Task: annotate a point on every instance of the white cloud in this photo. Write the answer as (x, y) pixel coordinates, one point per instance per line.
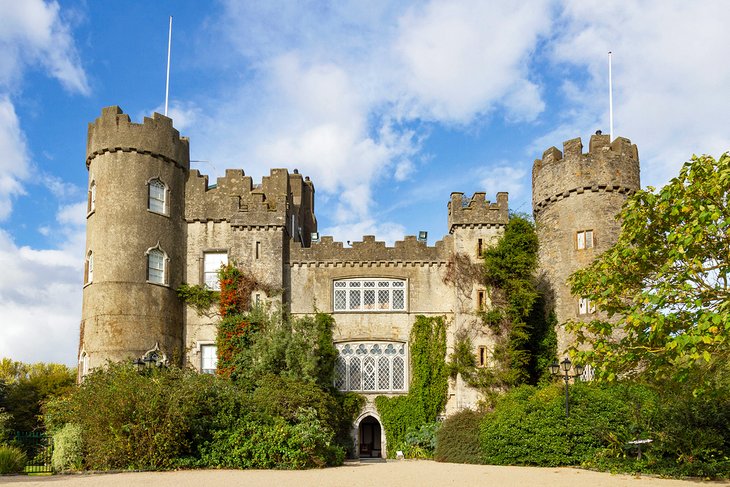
(33, 32)
(14, 160)
(514, 180)
(336, 90)
(463, 58)
(40, 293)
(670, 80)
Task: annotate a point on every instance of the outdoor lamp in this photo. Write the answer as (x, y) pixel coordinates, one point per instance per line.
(565, 365)
(139, 363)
(578, 369)
(555, 367)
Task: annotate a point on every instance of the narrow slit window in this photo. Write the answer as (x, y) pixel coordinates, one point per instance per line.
(482, 356)
(257, 250)
(480, 248)
(91, 203)
(481, 298)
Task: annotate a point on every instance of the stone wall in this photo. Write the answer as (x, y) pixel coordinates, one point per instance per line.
(574, 192)
(123, 315)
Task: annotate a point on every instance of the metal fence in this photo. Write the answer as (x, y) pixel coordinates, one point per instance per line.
(38, 447)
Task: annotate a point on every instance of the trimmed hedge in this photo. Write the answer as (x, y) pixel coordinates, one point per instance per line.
(457, 441)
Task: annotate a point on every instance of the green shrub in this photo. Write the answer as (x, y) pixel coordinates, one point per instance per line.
(67, 448)
(421, 442)
(263, 441)
(131, 420)
(457, 441)
(285, 397)
(12, 460)
(529, 427)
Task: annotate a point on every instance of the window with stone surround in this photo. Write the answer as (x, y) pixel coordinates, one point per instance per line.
(586, 307)
(157, 262)
(91, 198)
(369, 295)
(212, 262)
(208, 358)
(372, 366)
(482, 356)
(157, 196)
(89, 268)
(584, 239)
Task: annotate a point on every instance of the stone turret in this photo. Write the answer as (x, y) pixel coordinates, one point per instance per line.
(575, 199)
(135, 239)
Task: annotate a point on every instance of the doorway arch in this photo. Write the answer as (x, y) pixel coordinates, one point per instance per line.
(370, 437)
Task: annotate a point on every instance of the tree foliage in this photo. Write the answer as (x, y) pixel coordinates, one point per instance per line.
(524, 334)
(664, 285)
(24, 388)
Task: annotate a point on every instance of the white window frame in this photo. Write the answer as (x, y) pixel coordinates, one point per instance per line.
(355, 353)
(161, 268)
(206, 360)
(584, 239)
(84, 364)
(211, 266)
(351, 295)
(91, 204)
(586, 307)
(154, 201)
(89, 274)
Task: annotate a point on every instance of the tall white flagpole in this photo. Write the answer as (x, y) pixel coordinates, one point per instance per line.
(610, 97)
(167, 84)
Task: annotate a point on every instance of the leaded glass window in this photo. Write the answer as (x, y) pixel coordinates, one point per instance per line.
(156, 266)
(371, 367)
(370, 295)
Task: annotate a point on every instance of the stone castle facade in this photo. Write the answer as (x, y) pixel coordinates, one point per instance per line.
(153, 224)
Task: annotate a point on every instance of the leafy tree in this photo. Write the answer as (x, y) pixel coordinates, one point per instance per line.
(27, 386)
(664, 285)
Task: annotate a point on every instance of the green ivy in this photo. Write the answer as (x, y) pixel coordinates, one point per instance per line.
(429, 385)
(200, 298)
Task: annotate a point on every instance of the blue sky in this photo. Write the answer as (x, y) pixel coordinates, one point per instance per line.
(387, 106)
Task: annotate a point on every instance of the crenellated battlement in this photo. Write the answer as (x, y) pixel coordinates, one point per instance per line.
(371, 252)
(114, 132)
(607, 166)
(477, 210)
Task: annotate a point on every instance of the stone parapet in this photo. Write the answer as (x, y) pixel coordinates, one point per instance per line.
(477, 210)
(407, 251)
(606, 167)
(156, 137)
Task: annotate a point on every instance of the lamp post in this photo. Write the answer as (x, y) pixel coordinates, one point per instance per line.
(565, 366)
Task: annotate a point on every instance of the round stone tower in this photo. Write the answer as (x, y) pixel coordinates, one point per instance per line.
(135, 239)
(575, 199)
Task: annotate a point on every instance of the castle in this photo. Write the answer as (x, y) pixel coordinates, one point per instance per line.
(153, 224)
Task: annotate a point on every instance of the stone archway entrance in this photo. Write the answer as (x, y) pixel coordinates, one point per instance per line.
(369, 436)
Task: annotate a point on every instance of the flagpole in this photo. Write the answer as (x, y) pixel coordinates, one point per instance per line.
(167, 83)
(610, 97)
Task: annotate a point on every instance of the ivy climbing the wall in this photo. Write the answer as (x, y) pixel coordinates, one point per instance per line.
(523, 331)
(429, 385)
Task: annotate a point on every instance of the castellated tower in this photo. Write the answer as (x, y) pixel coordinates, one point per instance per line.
(575, 199)
(135, 239)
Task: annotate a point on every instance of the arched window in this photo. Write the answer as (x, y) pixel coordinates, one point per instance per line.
(157, 196)
(371, 367)
(84, 364)
(89, 268)
(369, 295)
(91, 203)
(156, 266)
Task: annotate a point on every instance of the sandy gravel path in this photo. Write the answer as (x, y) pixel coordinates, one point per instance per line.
(396, 473)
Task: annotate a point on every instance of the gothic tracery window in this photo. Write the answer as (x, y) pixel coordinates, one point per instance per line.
(371, 366)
